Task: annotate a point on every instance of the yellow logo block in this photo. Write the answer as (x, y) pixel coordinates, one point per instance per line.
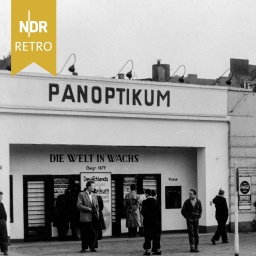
(33, 34)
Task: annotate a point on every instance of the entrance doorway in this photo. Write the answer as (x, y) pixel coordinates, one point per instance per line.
(40, 194)
(121, 187)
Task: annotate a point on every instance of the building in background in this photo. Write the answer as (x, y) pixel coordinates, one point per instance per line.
(240, 74)
(5, 63)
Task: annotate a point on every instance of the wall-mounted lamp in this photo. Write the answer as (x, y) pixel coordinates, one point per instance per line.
(72, 67)
(228, 82)
(181, 79)
(129, 74)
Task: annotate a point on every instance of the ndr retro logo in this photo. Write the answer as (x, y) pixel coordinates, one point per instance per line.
(29, 27)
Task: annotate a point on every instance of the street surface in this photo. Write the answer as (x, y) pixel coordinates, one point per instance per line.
(172, 244)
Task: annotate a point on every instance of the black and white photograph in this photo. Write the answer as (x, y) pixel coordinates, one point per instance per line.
(127, 127)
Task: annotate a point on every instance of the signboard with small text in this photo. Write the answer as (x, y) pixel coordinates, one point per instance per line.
(244, 193)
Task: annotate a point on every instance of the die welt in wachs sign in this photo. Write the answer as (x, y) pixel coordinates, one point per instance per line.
(33, 34)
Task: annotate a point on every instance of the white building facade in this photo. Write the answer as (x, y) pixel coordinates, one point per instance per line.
(167, 137)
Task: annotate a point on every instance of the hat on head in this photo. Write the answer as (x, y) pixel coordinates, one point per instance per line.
(221, 192)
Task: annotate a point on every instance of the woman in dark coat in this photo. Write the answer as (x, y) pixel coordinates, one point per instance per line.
(62, 215)
(101, 223)
(3, 228)
(151, 212)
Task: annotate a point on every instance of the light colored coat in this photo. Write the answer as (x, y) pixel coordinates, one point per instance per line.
(131, 204)
(84, 203)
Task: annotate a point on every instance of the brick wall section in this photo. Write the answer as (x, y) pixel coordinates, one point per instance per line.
(242, 150)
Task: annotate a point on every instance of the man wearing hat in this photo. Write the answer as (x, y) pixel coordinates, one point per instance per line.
(3, 228)
(221, 217)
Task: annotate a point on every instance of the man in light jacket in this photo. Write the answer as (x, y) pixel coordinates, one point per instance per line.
(87, 203)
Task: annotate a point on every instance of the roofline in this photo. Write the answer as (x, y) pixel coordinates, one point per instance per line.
(30, 75)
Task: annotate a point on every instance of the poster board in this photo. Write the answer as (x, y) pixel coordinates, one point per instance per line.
(244, 193)
(103, 185)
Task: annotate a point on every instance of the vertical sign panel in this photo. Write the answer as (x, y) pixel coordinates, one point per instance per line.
(103, 185)
(244, 193)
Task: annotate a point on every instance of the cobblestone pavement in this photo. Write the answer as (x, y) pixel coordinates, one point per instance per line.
(172, 244)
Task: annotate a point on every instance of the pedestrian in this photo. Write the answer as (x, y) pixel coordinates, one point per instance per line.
(221, 216)
(62, 215)
(87, 203)
(101, 223)
(74, 212)
(192, 211)
(3, 228)
(142, 198)
(151, 212)
(131, 207)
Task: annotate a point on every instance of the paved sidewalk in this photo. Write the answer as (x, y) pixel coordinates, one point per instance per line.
(172, 244)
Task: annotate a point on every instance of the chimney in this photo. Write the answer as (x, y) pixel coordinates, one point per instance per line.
(160, 72)
(121, 76)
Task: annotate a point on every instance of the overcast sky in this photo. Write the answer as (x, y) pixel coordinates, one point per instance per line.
(201, 34)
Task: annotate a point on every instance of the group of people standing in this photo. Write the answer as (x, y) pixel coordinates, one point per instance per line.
(140, 212)
(82, 213)
(144, 212)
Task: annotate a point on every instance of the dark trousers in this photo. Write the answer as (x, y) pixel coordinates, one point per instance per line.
(155, 238)
(221, 231)
(132, 232)
(62, 232)
(193, 228)
(88, 235)
(3, 236)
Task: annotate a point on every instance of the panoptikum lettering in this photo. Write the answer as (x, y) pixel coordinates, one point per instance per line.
(104, 95)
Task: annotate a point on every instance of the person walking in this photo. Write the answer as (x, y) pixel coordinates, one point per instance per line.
(87, 203)
(192, 211)
(221, 216)
(151, 212)
(131, 207)
(3, 228)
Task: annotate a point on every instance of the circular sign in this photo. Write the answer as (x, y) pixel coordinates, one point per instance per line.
(244, 187)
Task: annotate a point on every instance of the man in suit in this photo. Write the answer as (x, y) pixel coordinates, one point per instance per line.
(151, 212)
(87, 203)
